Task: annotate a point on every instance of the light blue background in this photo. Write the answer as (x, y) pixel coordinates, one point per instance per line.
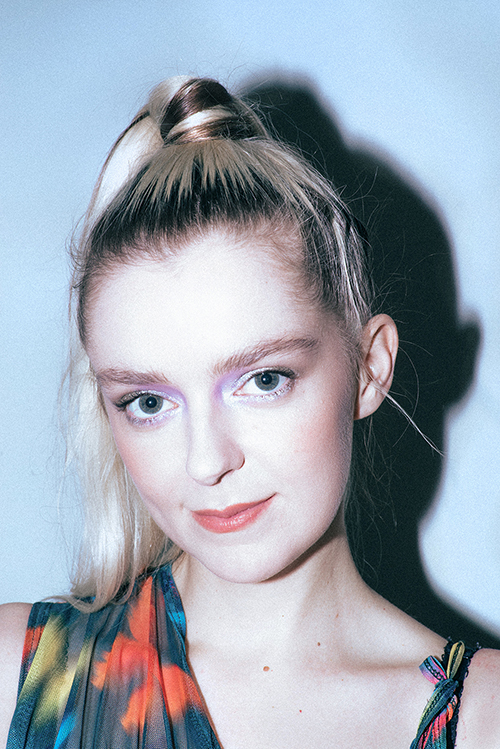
(417, 83)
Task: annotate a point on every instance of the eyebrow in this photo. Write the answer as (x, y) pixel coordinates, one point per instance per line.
(239, 360)
(252, 354)
(117, 376)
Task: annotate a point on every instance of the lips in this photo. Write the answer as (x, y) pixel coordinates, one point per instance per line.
(233, 518)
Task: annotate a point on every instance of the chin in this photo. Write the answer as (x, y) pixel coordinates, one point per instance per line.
(265, 558)
(252, 568)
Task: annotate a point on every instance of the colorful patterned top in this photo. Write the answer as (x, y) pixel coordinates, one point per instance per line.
(119, 678)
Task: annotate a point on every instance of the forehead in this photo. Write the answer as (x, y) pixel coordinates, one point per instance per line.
(217, 295)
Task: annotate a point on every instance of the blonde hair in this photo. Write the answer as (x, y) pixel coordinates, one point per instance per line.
(194, 159)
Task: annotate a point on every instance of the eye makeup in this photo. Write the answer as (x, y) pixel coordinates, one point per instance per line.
(266, 384)
(146, 407)
(150, 406)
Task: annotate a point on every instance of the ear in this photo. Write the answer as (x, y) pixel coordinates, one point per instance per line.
(379, 346)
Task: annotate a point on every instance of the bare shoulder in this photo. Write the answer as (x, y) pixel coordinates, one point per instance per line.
(479, 718)
(13, 621)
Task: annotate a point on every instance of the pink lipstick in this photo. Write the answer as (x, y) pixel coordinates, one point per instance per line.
(233, 518)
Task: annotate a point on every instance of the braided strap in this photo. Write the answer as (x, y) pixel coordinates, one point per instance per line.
(432, 733)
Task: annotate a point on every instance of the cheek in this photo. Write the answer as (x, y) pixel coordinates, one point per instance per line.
(325, 436)
(145, 462)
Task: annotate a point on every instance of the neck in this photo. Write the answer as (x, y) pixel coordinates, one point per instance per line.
(314, 600)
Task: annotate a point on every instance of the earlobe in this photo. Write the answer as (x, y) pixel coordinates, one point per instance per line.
(379, 348)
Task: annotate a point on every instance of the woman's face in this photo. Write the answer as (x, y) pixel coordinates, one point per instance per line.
(231, 403)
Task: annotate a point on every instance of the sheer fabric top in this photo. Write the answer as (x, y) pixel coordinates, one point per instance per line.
(120, 677)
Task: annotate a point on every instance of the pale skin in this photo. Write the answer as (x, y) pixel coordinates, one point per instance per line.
(253, 401)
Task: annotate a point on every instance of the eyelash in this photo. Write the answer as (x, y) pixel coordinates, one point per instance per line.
(271, 395)
(130, 398)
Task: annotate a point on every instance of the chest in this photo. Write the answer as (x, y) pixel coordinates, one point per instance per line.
(284, 706)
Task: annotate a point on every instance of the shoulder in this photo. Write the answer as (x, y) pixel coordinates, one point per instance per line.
(479, 717)
(13, 622)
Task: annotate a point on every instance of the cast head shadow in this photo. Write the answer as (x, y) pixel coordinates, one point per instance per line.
(413, 270)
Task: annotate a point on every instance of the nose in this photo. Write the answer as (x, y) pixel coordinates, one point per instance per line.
(213, 452)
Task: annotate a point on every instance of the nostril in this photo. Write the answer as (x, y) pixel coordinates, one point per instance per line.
(211, 457)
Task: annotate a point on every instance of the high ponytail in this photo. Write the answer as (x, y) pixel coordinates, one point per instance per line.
(179, 110)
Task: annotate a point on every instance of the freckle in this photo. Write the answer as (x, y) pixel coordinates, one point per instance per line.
(266, 668)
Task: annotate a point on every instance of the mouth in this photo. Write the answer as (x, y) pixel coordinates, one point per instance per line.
(233, 518)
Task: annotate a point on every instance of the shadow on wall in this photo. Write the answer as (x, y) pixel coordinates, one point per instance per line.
(414, 273)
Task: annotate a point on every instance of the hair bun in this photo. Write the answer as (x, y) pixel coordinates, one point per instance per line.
(201, 109)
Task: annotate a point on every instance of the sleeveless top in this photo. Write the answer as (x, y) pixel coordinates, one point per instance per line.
(119, 677)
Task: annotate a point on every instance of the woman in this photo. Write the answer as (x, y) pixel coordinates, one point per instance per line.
(226, 346)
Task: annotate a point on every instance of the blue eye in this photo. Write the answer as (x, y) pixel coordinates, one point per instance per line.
(148, 406)
(269, 383)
